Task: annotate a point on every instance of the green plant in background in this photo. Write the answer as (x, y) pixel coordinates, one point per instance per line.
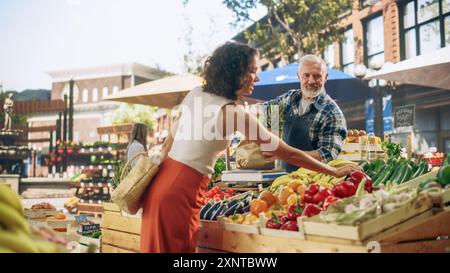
(118, 167)
(393, 150)
(131, 113)
(219, 167)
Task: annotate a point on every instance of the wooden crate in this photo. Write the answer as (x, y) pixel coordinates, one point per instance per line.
(92, 209)
(39, 214)
(214, 238)
(253, 229)
(414, 183)
(120, 233)
(316, 226)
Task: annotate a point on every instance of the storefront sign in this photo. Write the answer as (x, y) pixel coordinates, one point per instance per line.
(388, 118)
(369, 117)
(404, 116)
(88, 230)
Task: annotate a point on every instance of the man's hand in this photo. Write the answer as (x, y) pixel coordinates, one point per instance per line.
(346, 170)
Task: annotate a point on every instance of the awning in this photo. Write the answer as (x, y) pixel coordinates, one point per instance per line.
(339, 85)
(431, 69)
(167, 92)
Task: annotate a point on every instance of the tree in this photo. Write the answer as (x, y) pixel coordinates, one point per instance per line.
(292, 26)
(130, 113)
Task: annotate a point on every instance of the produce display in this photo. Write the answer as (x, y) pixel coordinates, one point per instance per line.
(441, 181)
(43, 206)
(362, 207)
(216, 194)
(305, 176)
(236, 205)
(393, 171)
(16, 236)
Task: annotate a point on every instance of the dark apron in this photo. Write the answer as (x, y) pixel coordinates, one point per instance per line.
(296, 133)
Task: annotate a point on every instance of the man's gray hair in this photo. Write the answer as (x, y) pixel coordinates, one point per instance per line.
(312, 59)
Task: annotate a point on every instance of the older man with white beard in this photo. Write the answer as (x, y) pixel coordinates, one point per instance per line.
(312, 121)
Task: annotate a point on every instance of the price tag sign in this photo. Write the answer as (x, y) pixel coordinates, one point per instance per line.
(81, 219)
(88, 230)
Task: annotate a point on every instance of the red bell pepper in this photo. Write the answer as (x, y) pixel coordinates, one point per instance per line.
(358, 176)
(290, 225)
(311, 210)
(274, 222)
(321, 196)
(217, 198)
(308, 198)
(284, 219)
(330, 200)
(344, 189)
(313, 189)
(230, 191)
(213, 191)
(295, 210)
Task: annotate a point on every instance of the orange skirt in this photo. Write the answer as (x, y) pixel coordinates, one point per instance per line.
(171, 209)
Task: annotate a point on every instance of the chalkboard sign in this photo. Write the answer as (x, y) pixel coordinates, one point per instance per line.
(404, 116)
(88, 230)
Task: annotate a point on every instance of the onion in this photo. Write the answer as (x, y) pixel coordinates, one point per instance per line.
(350, 208)
(365, 203)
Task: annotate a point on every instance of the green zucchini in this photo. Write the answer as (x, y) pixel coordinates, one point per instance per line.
(385, 177)
(408, 174)
(383, 167)
(402, 168)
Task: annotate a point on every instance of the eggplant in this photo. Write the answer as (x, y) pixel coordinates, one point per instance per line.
(218, 212)
(246, 209)
(240, 208)
(204, 209)
(231, 210)
(211, 210)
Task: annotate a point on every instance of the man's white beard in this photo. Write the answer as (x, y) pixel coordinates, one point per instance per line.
(312, 93)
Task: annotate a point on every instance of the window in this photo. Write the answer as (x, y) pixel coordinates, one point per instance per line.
(374, 40)
(430, 37)
(366, 3)
(105, 92)
(85, 95)
(95, 94)
(348, 52)
(425, 26)
(115, 89)
(328, 55)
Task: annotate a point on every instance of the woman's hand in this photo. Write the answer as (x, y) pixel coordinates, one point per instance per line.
(270, 156)
(346, 170)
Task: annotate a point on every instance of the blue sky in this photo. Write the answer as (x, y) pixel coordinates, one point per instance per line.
(42, 35)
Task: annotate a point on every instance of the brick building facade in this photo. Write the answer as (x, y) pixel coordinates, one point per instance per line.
(392, 31)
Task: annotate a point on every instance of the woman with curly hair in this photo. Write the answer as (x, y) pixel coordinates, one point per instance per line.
(171, 206)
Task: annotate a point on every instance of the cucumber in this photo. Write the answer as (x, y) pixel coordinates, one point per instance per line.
(386, 174)
(408, 173)
(364, 165)
(400, 173)
(418, 170)
(380, 172)
(378, 164)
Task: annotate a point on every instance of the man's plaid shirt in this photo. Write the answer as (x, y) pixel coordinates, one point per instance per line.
(328, 129)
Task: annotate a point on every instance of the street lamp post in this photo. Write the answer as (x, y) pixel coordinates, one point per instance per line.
(377, 94)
